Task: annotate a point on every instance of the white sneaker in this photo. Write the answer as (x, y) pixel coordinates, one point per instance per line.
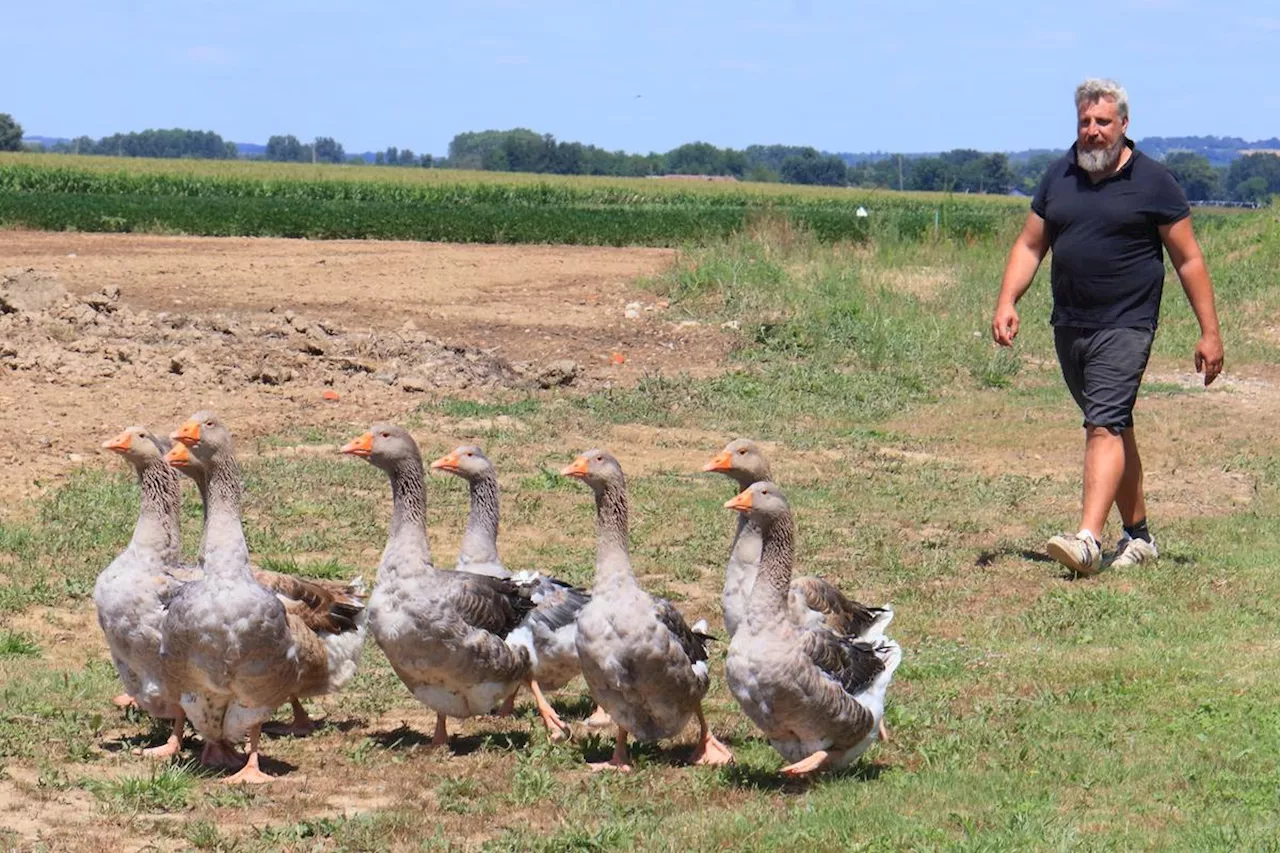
(1077, 552)
(1134, 552)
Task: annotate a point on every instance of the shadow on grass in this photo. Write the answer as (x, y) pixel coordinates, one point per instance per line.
(404, 738)
(756, 778)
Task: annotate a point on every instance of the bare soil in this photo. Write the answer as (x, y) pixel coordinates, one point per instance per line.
(100, 331)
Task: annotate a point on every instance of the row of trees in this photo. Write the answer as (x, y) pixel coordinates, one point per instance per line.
(325, 149)
(1250, 178)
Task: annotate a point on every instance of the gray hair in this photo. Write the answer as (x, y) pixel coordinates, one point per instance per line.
(1097, 88)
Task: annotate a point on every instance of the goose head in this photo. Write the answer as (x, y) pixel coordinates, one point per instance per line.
(743, 460)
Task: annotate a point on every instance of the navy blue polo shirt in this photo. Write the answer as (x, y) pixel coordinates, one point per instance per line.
(1108, 259)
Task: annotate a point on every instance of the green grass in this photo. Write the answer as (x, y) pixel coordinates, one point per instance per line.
(17, 644)
(163, 789)
(1136, 710)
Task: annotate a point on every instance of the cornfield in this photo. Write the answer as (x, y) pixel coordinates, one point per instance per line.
(206, 197)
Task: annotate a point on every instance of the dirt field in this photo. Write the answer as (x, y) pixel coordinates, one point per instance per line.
(118, 329)
(100, 331)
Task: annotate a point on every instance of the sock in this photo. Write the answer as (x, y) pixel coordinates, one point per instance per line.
(1139, 531)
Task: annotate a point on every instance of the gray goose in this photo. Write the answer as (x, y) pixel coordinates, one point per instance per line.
(642, 662)
(817, 696)
(447, 634)
(550, 630)
(229, 644)
(131, 594)
(334, 611)
(811, 601)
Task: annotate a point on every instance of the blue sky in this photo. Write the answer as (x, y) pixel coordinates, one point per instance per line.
(851, 76)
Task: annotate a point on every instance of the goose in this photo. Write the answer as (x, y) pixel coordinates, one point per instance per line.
(812, 601)
(333, 610)
(817, 696)
(131, 594)
(550, 630)
(448, 634)
(642, 662)
(229, 644)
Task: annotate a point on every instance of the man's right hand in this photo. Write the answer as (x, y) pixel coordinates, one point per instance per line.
(1004, 326)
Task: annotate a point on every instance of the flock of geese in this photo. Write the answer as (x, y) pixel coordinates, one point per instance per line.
(222, 644)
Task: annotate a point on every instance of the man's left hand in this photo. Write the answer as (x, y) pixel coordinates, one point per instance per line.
(1209, 357)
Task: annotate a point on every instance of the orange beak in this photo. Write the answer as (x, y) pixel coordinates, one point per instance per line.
(721, 462)
(188, 433)
(448, 462)
(362, 446)
(577, 469)
(741, 501)
(120, 443)
(178, 456)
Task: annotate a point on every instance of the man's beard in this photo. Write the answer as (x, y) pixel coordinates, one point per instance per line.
(1099, 160)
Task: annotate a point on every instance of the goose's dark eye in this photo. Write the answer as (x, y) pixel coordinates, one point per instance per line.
(742, 451)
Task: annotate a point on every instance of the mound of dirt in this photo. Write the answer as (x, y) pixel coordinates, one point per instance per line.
(76, 340)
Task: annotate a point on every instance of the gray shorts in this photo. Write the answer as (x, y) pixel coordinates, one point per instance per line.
(1103, 369)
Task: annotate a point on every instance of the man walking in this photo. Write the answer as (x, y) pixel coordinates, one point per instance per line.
(1107, 210)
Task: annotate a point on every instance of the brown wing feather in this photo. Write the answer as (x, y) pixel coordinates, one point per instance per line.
(841, 614)
(327, 606)
(313, 657)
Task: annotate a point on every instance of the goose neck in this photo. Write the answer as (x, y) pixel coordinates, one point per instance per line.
(768, 602)
(408, 530)
(225, 551)
(480, 538)
(613, 558)
(157, 529)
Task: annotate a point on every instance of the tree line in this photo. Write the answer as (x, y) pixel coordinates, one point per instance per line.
(1250, 178)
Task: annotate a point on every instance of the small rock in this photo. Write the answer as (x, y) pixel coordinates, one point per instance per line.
(45, 443)
(178, 363)
(386, 377)
(75, 458)
(731, 324)
(329, 327)
(413, 383)
(269, 375)
(559, 372)
(631, 313)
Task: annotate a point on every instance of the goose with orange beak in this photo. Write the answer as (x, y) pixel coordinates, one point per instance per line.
(817, 696)
(227, 641)
(131, 594)
(550, 630)
(448, 634)
(643, 663)
(812, 601)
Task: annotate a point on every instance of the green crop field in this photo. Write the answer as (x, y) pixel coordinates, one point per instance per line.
(52, 192)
